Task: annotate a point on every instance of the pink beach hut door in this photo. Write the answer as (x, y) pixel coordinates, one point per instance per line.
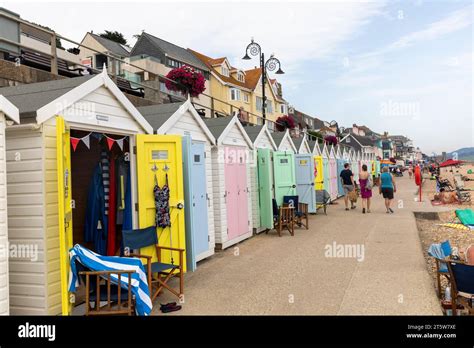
(235, 171)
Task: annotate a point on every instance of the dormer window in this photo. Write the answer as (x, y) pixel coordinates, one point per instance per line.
(225, 71)
(240, 77)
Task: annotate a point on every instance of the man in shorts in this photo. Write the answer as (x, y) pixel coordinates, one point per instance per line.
(347, 179)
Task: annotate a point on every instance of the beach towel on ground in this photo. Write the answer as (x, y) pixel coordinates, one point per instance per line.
(466, 216)
(453, 225)
(96, 262)
(436, 251)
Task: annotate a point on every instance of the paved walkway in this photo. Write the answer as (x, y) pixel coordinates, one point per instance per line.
(292, 275)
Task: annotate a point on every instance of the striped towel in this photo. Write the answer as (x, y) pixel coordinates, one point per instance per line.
(104, 161)
(96, 262)
(454, 225)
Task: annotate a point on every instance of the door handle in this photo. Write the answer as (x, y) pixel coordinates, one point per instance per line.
(294, 186)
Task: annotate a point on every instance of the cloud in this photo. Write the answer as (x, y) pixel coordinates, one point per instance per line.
(453, 22)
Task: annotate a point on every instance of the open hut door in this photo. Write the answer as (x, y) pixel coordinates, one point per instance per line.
(63, 162)
(265, 187)
(160, 163)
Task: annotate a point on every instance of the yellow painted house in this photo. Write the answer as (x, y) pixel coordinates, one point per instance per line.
(238, 92)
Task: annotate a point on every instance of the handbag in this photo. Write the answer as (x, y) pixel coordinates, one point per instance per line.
(369, 184)
(353, 196)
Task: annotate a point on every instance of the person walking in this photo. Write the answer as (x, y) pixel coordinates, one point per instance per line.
(387, 188)
(366, 184)
(410, 171)
(347, 179)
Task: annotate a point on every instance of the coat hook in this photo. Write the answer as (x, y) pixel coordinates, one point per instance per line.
(166, 168)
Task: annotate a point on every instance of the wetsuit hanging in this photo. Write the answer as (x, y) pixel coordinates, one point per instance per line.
(162, 204)
(104, 160)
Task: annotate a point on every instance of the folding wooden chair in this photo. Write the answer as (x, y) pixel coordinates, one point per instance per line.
(100, 288)
(301, 210)
(141, 238)
(286, 219)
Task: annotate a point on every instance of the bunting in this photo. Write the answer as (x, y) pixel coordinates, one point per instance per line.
(87, 142)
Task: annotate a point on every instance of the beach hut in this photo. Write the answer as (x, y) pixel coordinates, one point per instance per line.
(79, 138)
(304, 171)
(333, 173)
(355, 164)
(231, 177)
(8, 113)
(372, 166)
(182, 119)
(326, 172)
(318, 168)
(340, 167)
(377, 166)
(366, 161)
(284, 166)
(261, 175)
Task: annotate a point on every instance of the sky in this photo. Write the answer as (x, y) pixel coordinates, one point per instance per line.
(405, 67)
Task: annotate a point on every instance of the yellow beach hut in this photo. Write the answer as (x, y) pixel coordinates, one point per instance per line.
(70, 128)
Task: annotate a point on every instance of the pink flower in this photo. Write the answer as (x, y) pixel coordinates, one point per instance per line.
(186, 80)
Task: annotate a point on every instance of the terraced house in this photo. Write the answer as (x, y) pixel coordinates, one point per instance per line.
(238, 92)
(153, 57)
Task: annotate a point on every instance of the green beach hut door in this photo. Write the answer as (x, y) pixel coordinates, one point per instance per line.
(284, 174)
(265, 187)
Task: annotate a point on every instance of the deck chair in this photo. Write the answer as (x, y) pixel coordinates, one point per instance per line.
(463, 196)
(283, 217)
(141, 238)
(462, 285)
(441, 253)
(99, 288)
(322, 200)
(301, 210)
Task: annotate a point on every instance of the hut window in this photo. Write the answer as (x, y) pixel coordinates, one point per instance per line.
(159, 155)
(197, 158)
(284, 161)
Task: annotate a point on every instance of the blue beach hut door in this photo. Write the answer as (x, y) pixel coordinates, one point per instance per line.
(305, 180)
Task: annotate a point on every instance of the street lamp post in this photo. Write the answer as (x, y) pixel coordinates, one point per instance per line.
(271, 64)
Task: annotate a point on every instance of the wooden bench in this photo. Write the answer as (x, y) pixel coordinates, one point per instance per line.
(43, 62)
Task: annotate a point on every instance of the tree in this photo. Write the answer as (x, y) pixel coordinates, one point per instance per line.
(114, 36)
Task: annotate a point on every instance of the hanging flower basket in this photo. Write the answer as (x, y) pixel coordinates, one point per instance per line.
(331, 140)
(186, 80)
(285, 122)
